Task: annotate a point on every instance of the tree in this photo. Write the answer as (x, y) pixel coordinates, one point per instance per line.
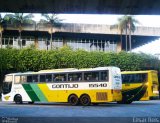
(2, 24)
(53, 21)
(127, 24)
(19, 19)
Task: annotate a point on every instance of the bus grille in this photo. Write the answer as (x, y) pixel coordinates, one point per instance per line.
(101, 96)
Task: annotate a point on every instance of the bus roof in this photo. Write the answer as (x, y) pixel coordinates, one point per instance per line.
(64, 70)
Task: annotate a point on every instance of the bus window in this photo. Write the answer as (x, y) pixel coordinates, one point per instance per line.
(42, 78)
(134, 78)
(125, 78)
(35, 78)
(59, 77)
(104, 76)
(91, 76)
(23, 79)
(74, 76)
(29, 78)
(17, 80)
(144, 77)
(49, 78)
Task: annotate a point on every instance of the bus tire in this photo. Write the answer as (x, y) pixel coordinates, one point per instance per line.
(18, 99)
(73, 100)
(85, 100)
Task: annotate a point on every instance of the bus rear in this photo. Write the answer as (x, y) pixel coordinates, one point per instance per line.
(116, 81)
(152, 86)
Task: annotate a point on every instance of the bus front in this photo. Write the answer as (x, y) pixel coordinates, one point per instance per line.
(7, 88)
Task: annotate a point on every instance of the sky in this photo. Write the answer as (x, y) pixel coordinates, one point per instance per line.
(144, 20)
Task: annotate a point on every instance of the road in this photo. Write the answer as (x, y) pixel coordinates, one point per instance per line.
(110, 111)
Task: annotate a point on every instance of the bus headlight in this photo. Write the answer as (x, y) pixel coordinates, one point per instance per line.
(6, 97)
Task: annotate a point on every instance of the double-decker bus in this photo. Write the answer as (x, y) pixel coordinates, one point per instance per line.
(139, 85)
(76, 86)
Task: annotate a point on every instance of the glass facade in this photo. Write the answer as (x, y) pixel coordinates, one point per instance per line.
(44, 43)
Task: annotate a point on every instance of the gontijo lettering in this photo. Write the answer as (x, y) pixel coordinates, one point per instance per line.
(65, 86)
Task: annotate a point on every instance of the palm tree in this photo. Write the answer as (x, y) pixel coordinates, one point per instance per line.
(127, 24)
(120, 26)
(2, 24)
(53, 21)
(19, 19)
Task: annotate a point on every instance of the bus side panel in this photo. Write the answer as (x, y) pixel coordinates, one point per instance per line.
(101, 95)
(17, 89)
(34, 92)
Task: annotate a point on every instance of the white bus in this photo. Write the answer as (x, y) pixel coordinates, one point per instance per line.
(76, 86)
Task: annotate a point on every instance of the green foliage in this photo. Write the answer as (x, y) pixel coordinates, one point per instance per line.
(31, 59)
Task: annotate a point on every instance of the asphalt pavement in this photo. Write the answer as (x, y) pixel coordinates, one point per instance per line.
(148, 111)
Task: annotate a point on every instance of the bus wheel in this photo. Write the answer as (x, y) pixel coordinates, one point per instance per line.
(18, 99)
(73, 100)
(85, 100)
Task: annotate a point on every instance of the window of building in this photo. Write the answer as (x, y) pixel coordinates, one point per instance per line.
(23, 42)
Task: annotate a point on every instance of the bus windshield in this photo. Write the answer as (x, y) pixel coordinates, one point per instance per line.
(7, 84)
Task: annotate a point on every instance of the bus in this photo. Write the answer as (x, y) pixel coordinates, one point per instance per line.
(139, 85)
(74, 86)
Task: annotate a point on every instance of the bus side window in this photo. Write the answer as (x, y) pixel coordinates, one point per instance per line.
(49, 78)
(23, 79)
(70, 78)
(17, 79)
(29, 78)
(79, 78)
(104, 75)
(35, 78)
(56, 78)
(91, 76)
(74, 76)
(144, 77)
(42, 78)
(59, 77)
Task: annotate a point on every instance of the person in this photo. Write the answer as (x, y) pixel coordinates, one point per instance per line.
(88, 78)
(79, 78)
(97, 78)
(70, 79)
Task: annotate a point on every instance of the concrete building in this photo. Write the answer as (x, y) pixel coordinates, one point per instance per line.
(89, 37)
